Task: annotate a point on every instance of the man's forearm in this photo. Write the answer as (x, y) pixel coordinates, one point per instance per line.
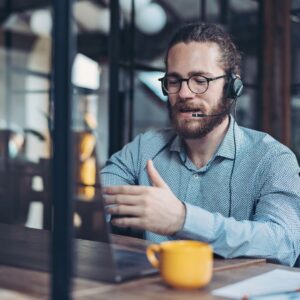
(232, 238)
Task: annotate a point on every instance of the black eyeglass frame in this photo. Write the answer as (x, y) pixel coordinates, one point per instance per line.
(208, 80)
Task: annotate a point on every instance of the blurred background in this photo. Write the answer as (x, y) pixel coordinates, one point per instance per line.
(117, 58)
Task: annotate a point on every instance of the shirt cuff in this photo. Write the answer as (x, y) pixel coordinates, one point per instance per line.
(198, 224)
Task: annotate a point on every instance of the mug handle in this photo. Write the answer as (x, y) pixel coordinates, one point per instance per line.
(151, 251)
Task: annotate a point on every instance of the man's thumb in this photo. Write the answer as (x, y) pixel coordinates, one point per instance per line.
(154, 176)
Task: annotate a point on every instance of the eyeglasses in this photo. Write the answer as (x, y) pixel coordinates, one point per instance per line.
(198, 84)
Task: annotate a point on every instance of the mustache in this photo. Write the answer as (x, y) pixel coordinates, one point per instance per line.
(183, 106)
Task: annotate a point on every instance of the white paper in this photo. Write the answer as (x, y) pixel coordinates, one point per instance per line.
(275, 281)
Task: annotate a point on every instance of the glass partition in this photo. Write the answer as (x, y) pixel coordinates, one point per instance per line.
(115, 95)
(25, 135)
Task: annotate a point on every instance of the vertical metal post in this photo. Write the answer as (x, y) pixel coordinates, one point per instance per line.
(115, 104)
(131, 70)
(8, 49)
(259, 99)
(62, 173)
(276, 69)
(203, 10)
(8, 183)
(224, 11)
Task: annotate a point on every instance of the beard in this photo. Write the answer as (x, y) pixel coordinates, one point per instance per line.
(198, 127)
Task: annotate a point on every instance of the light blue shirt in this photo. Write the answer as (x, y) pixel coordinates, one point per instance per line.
(264, 188)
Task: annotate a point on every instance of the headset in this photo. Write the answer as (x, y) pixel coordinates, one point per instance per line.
(234, 88)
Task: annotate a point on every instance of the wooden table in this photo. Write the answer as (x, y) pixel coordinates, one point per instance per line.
(23, 284)
(26, 248)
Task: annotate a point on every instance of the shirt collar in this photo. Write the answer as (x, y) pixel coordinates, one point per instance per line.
(226, 148)
(177, 144)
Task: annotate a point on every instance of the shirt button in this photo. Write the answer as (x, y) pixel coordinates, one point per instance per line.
(196, 176)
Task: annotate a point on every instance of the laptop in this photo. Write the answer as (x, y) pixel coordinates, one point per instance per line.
(104, 256)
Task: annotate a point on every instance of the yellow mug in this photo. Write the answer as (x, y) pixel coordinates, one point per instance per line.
(182, 264)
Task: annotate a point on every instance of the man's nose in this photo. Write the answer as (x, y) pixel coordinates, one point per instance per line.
(185, 91)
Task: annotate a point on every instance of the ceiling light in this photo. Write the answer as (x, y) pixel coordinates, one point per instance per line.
(151, 18)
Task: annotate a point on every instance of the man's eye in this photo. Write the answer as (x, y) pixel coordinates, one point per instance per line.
(199, 80)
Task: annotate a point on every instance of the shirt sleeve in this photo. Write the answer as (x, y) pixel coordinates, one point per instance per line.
(122, 167)
(274, 230)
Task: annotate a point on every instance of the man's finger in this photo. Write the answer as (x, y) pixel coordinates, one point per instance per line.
(124, 189)
(125, 210)
(154, 176)
(121, 199)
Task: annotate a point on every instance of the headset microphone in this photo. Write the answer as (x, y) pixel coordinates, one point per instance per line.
(196, 115)
(199, 115)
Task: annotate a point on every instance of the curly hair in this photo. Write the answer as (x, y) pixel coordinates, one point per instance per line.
(230, 59)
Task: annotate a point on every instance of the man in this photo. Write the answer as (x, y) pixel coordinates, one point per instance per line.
(207, 178)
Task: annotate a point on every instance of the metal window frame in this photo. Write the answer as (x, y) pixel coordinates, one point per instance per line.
(62, 254)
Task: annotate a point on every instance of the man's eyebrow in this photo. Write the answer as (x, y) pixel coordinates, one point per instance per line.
(191, 73)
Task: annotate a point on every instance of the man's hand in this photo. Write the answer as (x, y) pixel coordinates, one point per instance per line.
(153, 208)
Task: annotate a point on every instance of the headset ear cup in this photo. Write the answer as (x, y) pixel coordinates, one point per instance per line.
(235, 86)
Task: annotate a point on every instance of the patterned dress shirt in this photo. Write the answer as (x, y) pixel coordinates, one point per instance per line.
(245, 201)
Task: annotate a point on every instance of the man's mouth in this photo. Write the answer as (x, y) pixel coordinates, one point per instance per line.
(190, 110)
